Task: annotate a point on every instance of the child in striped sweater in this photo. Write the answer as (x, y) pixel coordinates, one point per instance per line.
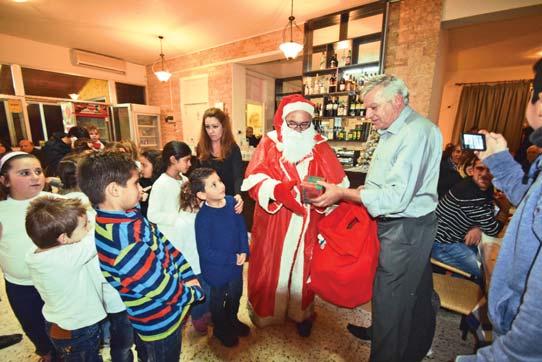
(153, 278)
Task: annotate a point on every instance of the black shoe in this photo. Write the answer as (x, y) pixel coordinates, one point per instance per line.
(9, 340)
(360, 332)
(227, 340)
(304, 328)
(241, 329)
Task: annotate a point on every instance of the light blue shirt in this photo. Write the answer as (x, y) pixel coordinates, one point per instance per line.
(403, 175)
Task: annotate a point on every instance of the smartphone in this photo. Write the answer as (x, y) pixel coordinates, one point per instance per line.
(473, 141)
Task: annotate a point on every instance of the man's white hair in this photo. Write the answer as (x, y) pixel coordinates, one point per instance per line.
(391, 85)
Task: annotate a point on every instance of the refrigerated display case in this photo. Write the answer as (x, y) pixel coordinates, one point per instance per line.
(136, 122)
(91, 114)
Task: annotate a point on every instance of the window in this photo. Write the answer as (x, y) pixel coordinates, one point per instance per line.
(130, 93)
(6, 80)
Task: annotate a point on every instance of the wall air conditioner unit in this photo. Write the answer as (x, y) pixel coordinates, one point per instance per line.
(83, 58)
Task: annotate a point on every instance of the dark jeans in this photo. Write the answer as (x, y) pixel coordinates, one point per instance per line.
(200, 308)
(167, 349)
(27, 304)
(402, 314)
(79, 345)
(224, 305)
(122, 337)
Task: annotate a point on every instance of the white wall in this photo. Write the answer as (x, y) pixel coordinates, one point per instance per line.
(33, 54)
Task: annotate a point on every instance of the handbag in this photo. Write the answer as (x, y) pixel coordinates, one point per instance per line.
(343, 267)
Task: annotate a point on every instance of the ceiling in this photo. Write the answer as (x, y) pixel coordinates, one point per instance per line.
(128, 29)
(503, 43)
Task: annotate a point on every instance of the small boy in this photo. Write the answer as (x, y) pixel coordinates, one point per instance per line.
(94, 133)
(152, 277)
(73, 308)
(222, 242)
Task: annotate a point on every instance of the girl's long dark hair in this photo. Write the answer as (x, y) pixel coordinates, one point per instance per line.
(155, 158)
(176, 149)
(196, 183)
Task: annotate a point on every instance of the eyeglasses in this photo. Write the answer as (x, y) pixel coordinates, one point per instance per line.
(300, 126)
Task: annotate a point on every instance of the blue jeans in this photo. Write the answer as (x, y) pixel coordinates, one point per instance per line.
(165, 350)
(122, 337)
(79, 345)
(27, 304)
(458, 255)
(199, 309)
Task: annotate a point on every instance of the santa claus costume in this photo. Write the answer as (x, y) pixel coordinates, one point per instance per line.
(282, 239)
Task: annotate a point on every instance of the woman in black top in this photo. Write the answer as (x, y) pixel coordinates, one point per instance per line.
(217, 149)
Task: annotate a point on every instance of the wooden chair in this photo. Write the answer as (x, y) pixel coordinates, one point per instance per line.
(456, 294)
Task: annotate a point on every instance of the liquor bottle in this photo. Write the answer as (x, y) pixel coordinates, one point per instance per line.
(333, 61)
(321, 108)
(335, 107)
(348, 60)
(352, 111)
(323, 60)
(329, 108)
(332, 84)
(363, 110)
(358, 107)
(342, 85)
(340, 109)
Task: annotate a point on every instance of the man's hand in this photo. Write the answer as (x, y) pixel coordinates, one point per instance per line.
(332, 194)
(283, 194)
(238, 204)
(192, 283)
(494, 143)
(473, 236)
(241, 258)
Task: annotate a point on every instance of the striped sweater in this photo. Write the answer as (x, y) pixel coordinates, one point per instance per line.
(148, 272)
(465, 206)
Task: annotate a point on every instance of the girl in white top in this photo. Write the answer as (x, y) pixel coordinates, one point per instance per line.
(176, 223)
(21, 181)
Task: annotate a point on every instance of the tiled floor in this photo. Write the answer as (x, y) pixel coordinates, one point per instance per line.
(329, 341)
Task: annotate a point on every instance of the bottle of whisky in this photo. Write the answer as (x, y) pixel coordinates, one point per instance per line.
(348, 60)
(333, 61)
(329, 108)
(342, 85)
(335, 107)
(332, 84)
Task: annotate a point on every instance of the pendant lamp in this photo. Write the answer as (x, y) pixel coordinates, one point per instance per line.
(290, 48)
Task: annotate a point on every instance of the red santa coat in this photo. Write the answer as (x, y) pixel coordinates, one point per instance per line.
(282, 242)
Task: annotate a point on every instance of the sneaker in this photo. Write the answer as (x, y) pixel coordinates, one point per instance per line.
(241, 329)
(362, 333)
(304, 328)
(9, 340)
(227, 340)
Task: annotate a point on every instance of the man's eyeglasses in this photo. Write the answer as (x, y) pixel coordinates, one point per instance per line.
(300, 126)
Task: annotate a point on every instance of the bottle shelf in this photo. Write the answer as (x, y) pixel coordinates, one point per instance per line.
(311, 73)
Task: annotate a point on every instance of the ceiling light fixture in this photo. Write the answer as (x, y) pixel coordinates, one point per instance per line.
(74, 96)
(290, 48)
(163, 75)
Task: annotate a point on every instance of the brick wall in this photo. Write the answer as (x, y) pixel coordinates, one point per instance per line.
(412, 46)
(411, 53)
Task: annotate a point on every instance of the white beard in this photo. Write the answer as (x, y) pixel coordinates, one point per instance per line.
(297, 145)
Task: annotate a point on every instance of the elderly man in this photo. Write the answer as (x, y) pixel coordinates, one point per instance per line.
(463, 213)
(285, 231)
(401, 192)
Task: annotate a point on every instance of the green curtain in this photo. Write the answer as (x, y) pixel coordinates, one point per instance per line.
(498, 107)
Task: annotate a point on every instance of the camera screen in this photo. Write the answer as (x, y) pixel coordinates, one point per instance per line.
(472, 141)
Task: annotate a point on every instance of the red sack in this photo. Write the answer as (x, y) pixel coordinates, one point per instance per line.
(342, 272)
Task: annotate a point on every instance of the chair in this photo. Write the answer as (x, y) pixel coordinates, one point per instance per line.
(460, 295)
(456, 294)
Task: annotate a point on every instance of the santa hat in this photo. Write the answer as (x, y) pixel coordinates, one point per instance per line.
(289, 104)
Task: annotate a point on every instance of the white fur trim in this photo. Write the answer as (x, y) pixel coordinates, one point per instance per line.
(297, 106)
(265, 194)
(252, 181)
